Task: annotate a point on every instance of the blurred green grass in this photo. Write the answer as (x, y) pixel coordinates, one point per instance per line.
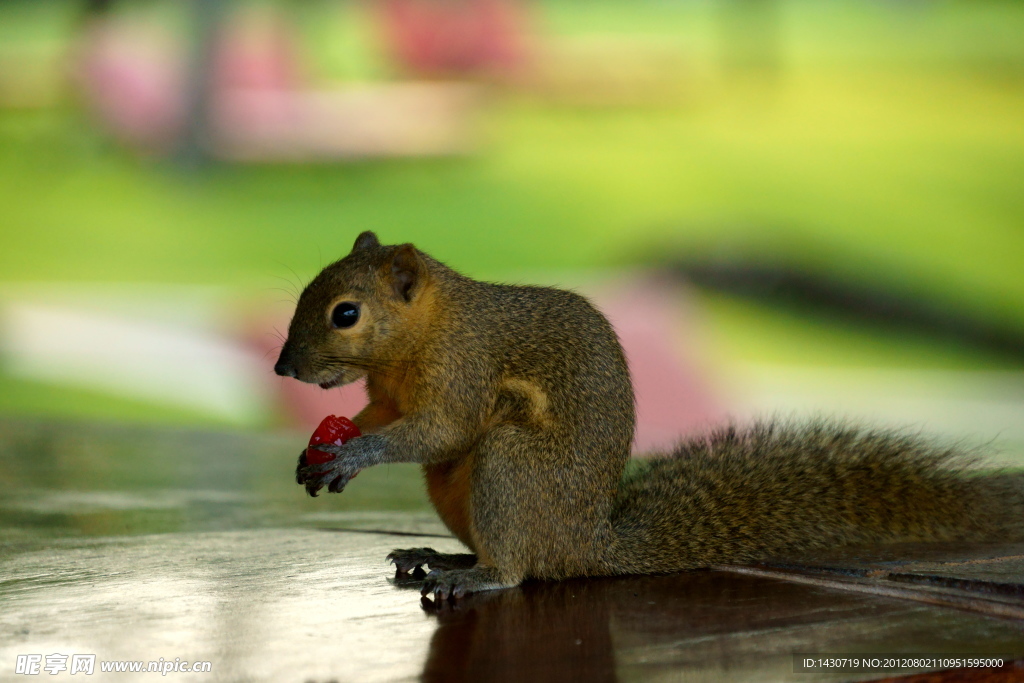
(888, 147)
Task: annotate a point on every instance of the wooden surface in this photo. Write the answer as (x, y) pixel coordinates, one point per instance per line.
(199, 546)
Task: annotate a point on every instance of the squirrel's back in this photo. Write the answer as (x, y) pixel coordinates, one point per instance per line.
(556, 341)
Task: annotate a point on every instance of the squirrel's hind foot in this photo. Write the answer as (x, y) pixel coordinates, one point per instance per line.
(414, 558)
(455, 583)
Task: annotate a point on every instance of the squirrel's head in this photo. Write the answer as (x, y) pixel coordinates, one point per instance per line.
(355, 316)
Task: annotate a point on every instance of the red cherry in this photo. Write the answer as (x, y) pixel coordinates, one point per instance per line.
(315, 457)
(334, 430)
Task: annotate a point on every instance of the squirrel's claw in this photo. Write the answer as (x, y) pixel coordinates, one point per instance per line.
(414, 559)
(335, 475)
(339, 484)
(411, 558)
(350, 458)
(304, 476)
(453, 584)
(435, 583)
(313, 488)
(442, 587)
(303, 463)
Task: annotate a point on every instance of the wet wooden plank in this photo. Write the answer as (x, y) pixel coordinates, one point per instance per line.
(1011, 672)
(304, 604)
(139, 544)
(985, 578)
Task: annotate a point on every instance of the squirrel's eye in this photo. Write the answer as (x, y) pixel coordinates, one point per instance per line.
(344, 315)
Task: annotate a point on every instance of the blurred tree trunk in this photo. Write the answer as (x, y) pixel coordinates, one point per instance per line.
(193, 148)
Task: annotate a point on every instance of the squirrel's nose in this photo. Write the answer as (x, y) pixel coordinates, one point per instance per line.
(284, 367)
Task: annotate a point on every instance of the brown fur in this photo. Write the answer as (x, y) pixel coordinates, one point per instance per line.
(449, 486)
(781, 489)
(518, 405)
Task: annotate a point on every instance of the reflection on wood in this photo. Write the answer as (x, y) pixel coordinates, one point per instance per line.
(138, 543)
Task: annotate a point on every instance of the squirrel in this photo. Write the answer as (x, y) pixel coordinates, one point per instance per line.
(517, 403)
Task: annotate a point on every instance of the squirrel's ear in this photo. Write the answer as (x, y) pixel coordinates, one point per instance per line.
(366, 240)
(407, 271)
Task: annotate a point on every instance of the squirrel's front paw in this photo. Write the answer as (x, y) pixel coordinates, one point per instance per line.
(335, 475)
(454, 583)
(355, 455)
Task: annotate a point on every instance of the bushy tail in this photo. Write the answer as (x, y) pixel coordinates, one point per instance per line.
(779, 489)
